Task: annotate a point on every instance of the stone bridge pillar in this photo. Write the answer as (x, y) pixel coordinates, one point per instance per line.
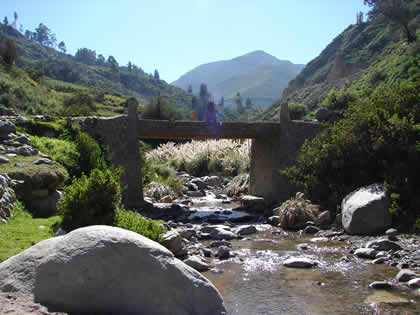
(269, 155)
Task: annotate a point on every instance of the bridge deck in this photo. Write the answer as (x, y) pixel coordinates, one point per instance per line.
(162, 129)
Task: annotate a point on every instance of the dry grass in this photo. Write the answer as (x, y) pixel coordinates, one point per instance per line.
(296, 211)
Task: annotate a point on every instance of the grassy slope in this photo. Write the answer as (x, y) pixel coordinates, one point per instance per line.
(22, 231)
(372, 53)
(141, 85)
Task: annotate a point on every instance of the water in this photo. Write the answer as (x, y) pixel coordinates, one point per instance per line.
(256, 282)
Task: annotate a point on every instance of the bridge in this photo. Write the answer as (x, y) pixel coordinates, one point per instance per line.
(275, 145)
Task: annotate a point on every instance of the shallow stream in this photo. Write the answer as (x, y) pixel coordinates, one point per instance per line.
(256, 282)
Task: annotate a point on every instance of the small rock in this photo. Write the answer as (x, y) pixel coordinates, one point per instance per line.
(41, 227)
(27, 150)
(274, 220)
(166, 199)
(246, 230)
(319, 239)
(379, 260)
(207, 252)
(60, 232)
(381, 254)
(220, 243)
(405, 275)
(365, 253)
(223, 252)
(195, 194)
(391, 232)
(302, 246)
(414, 283)
(323, 218)
(197, 263)
(19, 164)
(11, 154)
(311, 229)
(295, 262)
(42, 161)
(380, 285)
(222, 234)
(3, 160)
(23, 139)
(383, 245)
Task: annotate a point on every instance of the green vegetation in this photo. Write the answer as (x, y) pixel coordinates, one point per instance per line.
(297, 111)
(91, 200)
(377, 141)
(135, 222)
(22, 231)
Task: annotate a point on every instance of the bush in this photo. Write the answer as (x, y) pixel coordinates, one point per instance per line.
(199, 166)
(135, 222)
(91, 200)
(297, 111)
(338, 99)
(377, 141)
(90, 154)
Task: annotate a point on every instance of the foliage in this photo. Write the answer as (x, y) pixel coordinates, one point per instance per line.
(63, 151)
(80, 104)
(296, 211)
(135, 222)
(91, 200)
(159, 108)
(297, 111)
(22, 231)
(86, 56)
(91, 155)
(8, 52)
(377, 141)
(338, 99)
(44, 36)
(201, 157)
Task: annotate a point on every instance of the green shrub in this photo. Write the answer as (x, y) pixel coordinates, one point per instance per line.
(135, 222)
(377, 141)
(297, 111)
(338, 99)
(91, 200)
(90, 154)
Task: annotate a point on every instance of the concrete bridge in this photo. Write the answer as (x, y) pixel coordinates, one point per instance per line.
(275, 145)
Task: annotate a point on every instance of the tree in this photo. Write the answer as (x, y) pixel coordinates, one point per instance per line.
(395, 12)
(222, 102)
(130, 66)
(239, 106)
(62, 47)
(248, 103)
(29, 35)
(189, 90)
(359, 18)
(44, 36)
(156, 75)
(85, 55)
(14, 24)
(100, 61)
(8, 52)
(6, 21)
(112, 62)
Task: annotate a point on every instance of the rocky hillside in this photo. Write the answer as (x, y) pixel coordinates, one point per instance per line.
(257, 75)
(360, 58)
(64, 67)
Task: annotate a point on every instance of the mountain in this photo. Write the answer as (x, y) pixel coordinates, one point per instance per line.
(257, 75)
(122, 80)
(359, 59)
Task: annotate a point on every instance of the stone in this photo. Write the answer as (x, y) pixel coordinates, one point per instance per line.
(197, 263)
(379, 260)
(60, 232)
(6, 127)
(246, 230)
(222, 234)
(405, 275)
(214, 181)
(173, 241)
(188, 233)
(249, 201)
(365, 210)
(383, 245)
(200, 184)
(239, 185)
(381, 254)
(26, 150)
(207, 252)
(414, 283)
(274, 220)
(311, 229)
(300, 262)
(195, 194)
(19, 164)
(220, 243)
(23, 139)
(11, 154)
(380, 285)
(369, 253)
(302, 246)
(40, 193)
(223, 252)
(211, 228)
(103, 269)
(42, 161)
(391, 232)
(322, 114)
(319, 239)
(7, 112)
(4, 160)
(323, 218)
(166, 199)
(46, 207)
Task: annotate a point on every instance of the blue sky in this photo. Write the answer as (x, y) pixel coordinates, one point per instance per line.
(174, 36)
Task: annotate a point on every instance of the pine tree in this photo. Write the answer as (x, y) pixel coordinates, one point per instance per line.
(62, 47)
(6, 21)
(156, 75)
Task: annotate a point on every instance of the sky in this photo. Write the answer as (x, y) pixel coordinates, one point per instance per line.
(175, 36)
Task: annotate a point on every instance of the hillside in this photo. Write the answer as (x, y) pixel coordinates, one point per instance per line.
(63, 67)
(257, 75)
(358, 60)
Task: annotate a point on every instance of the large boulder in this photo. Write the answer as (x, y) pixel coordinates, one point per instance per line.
(365, 210)
(108, 270)
(238, 185)
(6, 127)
